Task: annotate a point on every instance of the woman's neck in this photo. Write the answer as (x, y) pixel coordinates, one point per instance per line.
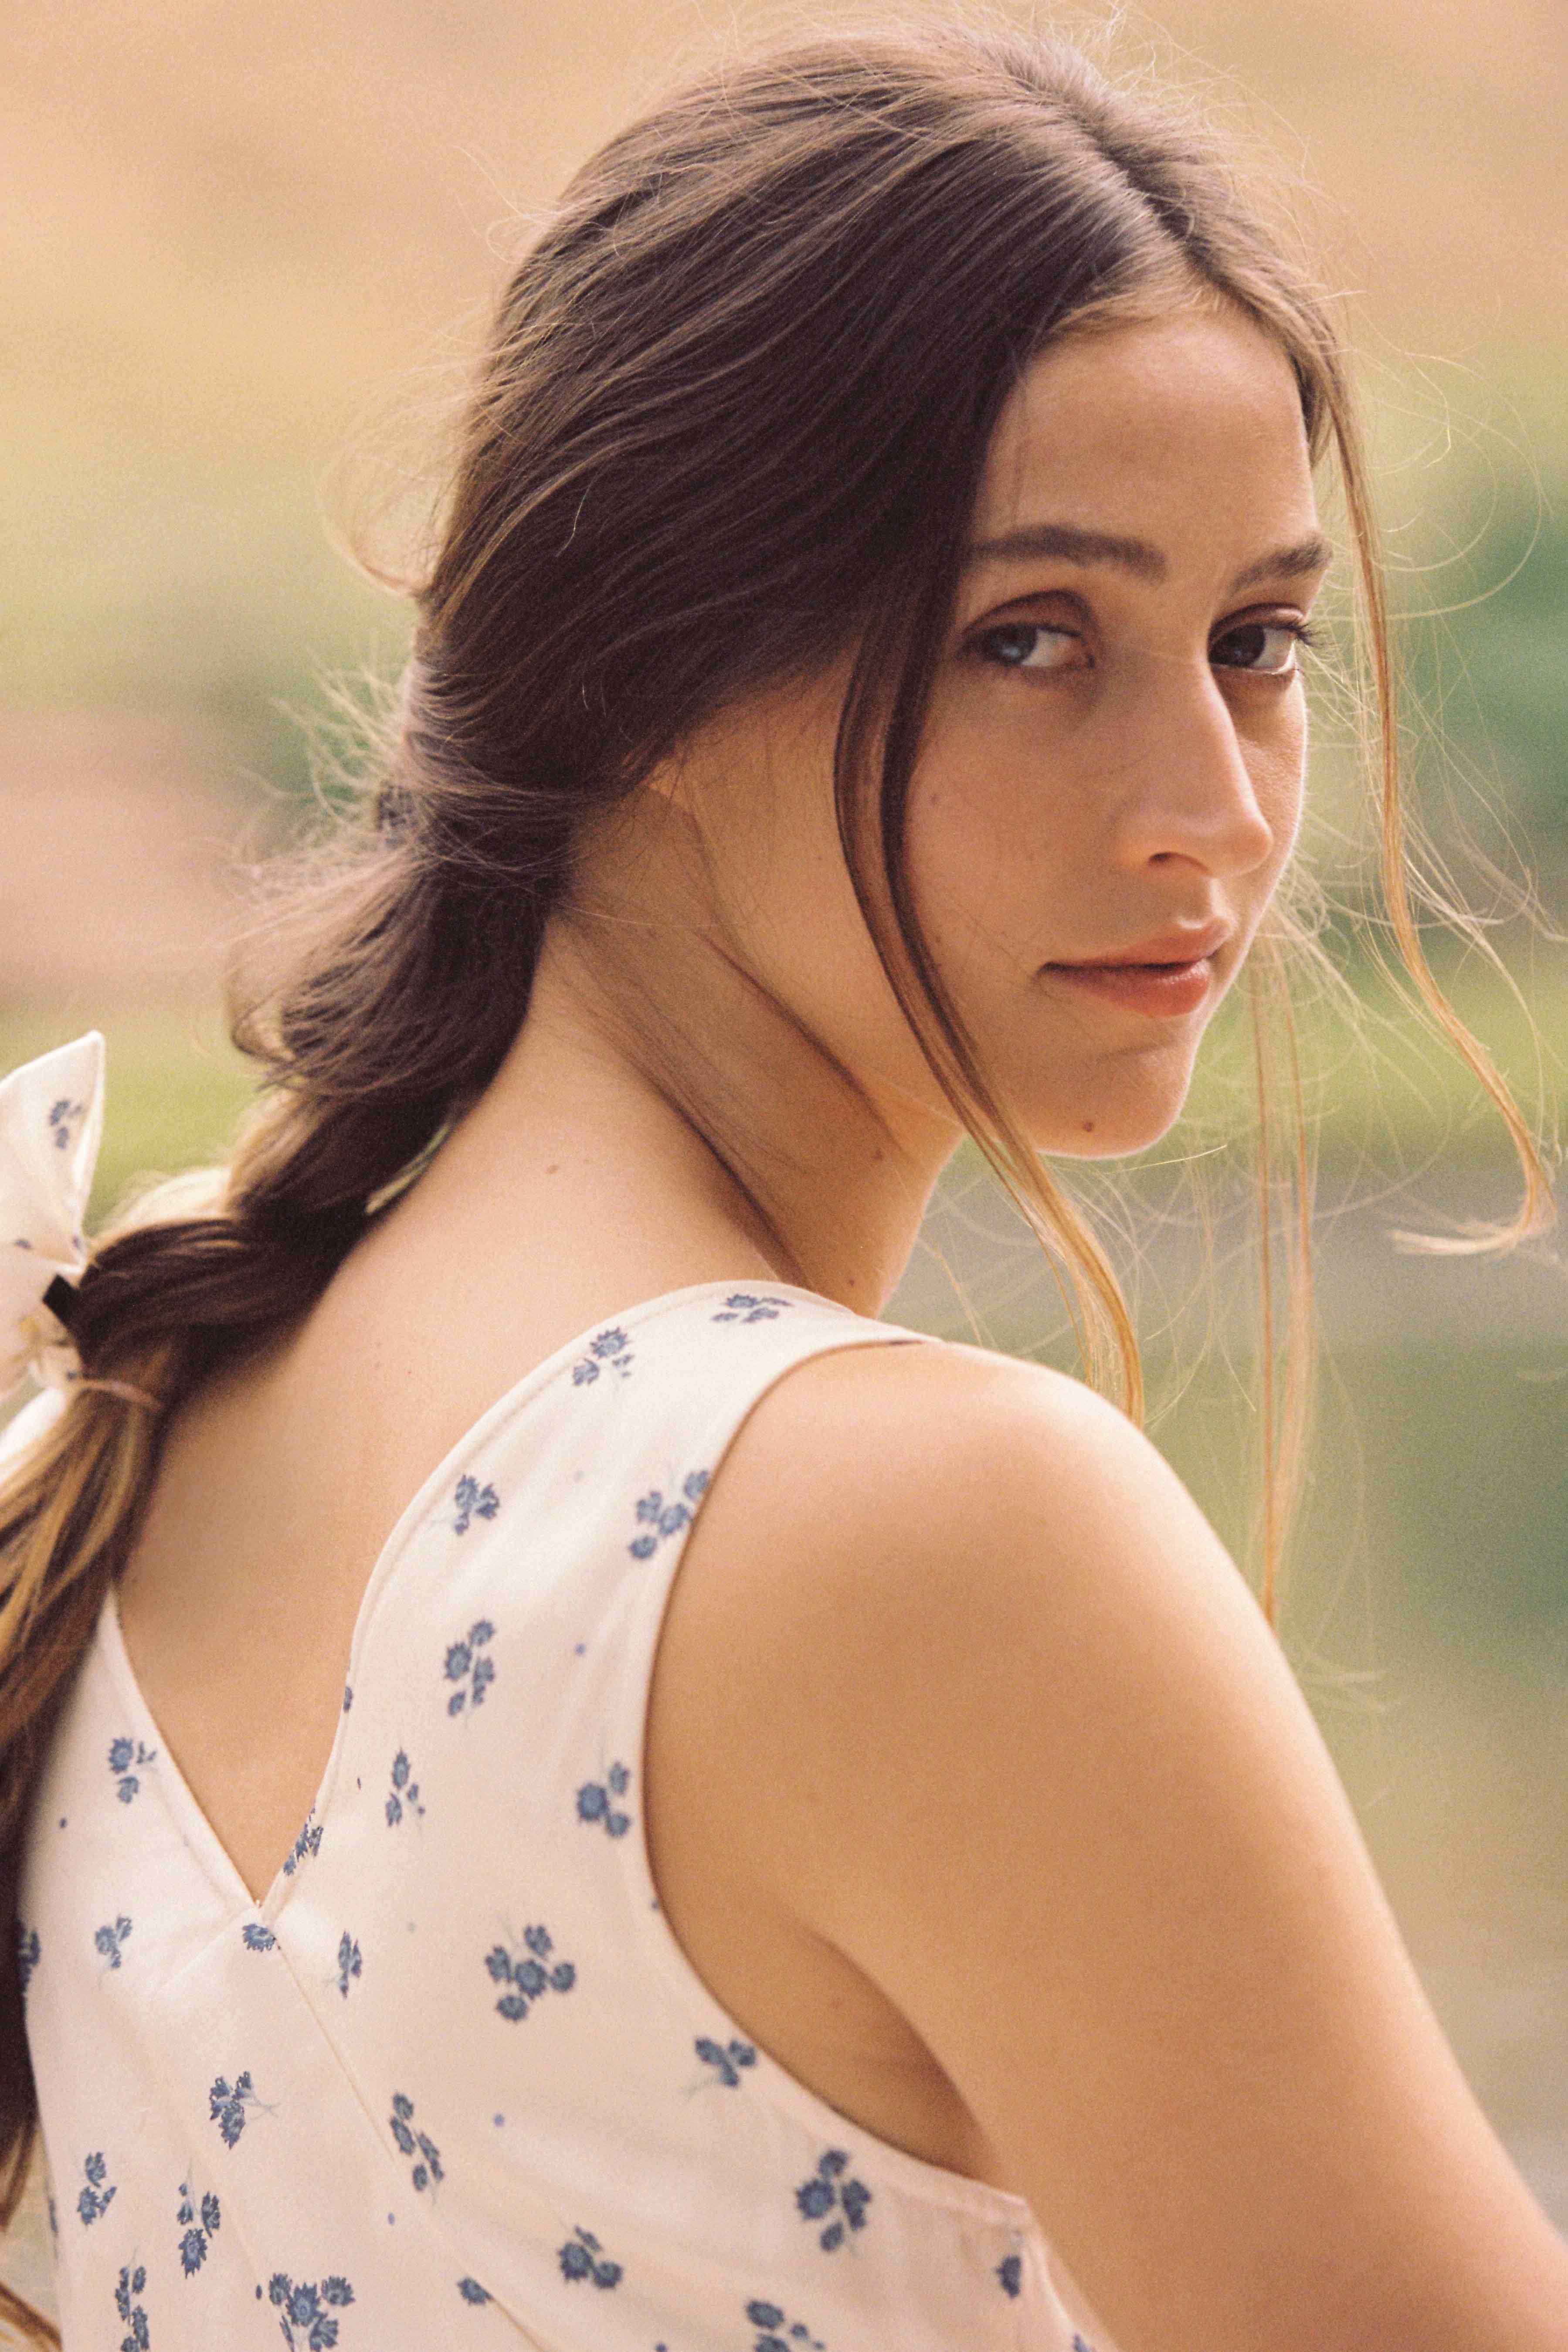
(676, 1121)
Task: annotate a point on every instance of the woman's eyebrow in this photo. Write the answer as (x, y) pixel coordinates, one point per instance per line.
(1314, 553)
(1067, 542)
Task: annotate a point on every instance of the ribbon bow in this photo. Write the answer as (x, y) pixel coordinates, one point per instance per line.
(51, 1117)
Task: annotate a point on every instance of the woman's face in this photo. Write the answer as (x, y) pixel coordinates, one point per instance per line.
(1111, 782)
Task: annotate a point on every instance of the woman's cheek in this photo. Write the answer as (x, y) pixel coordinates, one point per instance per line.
(1279, 771)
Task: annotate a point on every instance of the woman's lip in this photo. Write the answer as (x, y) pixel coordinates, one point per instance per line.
(1160, 989)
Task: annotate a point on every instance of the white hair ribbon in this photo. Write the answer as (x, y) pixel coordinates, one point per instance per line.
(51, 1117)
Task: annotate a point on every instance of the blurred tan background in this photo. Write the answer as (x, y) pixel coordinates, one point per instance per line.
(247, 253)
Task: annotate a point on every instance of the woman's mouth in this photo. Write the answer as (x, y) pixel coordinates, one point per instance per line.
(1160, 989)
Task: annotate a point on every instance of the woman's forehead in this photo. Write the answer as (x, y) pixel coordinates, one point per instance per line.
(1105, 431)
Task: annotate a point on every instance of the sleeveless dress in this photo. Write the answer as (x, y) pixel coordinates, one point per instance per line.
(453, 2082)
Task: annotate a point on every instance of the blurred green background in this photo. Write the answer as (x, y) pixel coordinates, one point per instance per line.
(246, 258)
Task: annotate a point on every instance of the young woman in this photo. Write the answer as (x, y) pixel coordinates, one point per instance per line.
(794, 1836)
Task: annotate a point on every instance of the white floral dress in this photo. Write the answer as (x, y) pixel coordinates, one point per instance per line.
(453, 2082)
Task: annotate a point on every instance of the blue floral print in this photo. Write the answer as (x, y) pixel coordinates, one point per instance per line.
(349, 1962)
(472, 2291)
(1009, 2270)
(429, 2171)
(1079, 2345)
(473, 1671)
(63, 1117)
(772, 2321)
(197, 2233)
(594, 1801)
(95, 2198)
(583, 2257)
(348, 1696)
(473, 1502)
(743, 1306)
(29, 1952)
(256, 1937)
(660, 1519)
(528, 1977)
(827, 2190)
(301, 2308)
(403, 1791)
(227, 2105)
(725, 2060)
(308, 1841)
(132, 2283)
(108, 1939)
(123, 1754)
(607, 1348)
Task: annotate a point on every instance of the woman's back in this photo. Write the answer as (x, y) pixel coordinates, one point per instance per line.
(368, 2031)
(279, 1489)
(991, 1833)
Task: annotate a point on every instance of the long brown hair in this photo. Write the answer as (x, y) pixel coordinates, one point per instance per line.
(729, 426)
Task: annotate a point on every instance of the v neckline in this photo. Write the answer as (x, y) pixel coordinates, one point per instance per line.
(177, 1794)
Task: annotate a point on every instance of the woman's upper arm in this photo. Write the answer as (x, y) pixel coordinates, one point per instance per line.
(1050, 1785)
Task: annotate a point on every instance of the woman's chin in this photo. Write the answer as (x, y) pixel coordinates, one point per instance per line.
(1113, 1130)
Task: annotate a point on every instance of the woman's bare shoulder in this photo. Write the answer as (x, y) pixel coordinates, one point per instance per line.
(927, 1452)
(1034, 1764)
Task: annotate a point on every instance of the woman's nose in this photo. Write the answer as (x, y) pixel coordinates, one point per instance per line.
(1192, 793)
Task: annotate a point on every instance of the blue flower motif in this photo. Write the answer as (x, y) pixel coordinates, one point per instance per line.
(123, 1754)
(303, 2307)
(772, 2321)
(725, 2060)
(471, 2290)
(609, 1348)
(348, 1696)
(256, 1937)
(583, 2257)
(1010, 2271)
(108, 1939)
(63, 1117)
(527, 1978)
(464, 1667)
(132, 2283)
(403, 1791)
(829, 2190)
(29, 1951)
(227, 2105)
(349, 1962)
(660, 1519)
(96, 2197)
(308, 1841)
(193, 2244)
(427, 2171)
(744, 1306)
(594, 1801)
(473, 1502)
(1079, 2345)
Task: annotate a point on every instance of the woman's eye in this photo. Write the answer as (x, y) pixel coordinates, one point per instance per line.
(1028, 645)
(1268, 649)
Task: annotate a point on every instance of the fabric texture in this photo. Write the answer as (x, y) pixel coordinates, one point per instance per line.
(51, 1122)
(452, 2080)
